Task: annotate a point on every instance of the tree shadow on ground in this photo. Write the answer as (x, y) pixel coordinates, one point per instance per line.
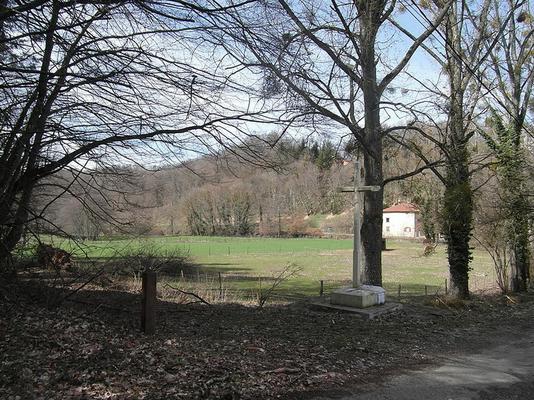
(93, 343)
(163, 265)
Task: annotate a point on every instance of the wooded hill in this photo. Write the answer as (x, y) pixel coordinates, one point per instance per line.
(291, 191)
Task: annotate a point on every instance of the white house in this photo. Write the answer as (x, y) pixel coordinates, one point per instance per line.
(402, 221)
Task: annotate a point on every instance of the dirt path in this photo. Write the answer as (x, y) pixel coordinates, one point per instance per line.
(503, 371)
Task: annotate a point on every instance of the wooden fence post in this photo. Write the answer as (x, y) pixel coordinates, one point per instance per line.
(148, 312)
(220, 287)
(321, 292)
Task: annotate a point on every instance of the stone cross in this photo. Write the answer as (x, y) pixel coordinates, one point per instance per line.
(357, 189)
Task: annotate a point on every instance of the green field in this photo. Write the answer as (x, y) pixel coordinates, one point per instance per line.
(246, 263)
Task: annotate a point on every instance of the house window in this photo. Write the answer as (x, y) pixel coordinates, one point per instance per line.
(387, 228)
(407, 229)
(387, 219)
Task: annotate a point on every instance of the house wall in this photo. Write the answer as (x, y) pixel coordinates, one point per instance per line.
(400, 225)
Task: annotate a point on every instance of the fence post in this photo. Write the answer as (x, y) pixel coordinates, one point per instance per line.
(220, 287)
(446, 288)
(399, 292)
(148, 312)
(426, 290)
(321, 292)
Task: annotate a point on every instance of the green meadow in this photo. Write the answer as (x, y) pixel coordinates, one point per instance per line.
(247, 263)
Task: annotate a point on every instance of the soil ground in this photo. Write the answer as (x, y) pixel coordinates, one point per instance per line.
(91, 347)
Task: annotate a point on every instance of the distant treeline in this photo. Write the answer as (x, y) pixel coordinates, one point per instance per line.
(293, 194)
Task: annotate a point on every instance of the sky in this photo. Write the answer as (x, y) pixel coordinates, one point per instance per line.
(393, 45)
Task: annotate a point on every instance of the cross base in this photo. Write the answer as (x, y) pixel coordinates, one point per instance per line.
(360, 297)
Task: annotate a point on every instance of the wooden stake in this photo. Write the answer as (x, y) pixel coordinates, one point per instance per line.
(399, 292)
(148, 311)
(426, 290)
(220, 286)
(446, 288)
(321, 292)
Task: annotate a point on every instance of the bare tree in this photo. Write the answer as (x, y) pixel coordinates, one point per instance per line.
(89, 84)
(327, 55)
(510, 74)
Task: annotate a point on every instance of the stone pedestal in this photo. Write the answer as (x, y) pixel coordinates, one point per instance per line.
(361, 297)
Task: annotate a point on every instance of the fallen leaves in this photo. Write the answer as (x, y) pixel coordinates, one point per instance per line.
(219, 352)
(282, 370)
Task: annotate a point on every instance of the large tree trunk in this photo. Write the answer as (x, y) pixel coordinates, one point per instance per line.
(20, 154)
(458, 196)
(520, 207)
(520, 269)
(457, 231)
(371, 231)
(458, 203)
(520, 266)
(13, 218)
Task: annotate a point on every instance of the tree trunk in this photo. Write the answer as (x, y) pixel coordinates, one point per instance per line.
(520, 266)
(458, 196)
(371, 231)
(12, 225)
(457, 235)
(458, 216)
(19, 168)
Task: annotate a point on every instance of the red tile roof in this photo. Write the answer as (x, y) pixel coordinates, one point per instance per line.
(402, 208)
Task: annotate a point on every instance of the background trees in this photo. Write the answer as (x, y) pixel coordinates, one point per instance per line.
(209, 195)
(509, 73)
(462, 46)
(211, 211)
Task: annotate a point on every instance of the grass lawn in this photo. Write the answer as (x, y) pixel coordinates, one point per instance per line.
(245, 262)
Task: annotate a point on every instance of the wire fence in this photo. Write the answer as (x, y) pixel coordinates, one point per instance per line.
(230, 285)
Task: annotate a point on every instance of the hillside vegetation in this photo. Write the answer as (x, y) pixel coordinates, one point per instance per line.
(291, 193)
